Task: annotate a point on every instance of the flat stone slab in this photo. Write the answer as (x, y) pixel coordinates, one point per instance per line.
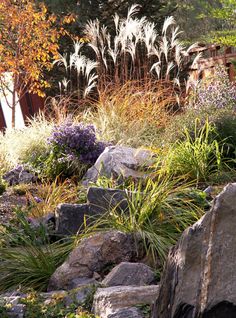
(108, 300)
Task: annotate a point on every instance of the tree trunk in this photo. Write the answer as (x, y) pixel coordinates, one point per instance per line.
(13, 111)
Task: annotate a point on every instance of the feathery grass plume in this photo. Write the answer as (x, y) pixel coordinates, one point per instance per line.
(135, 52)
(80, 67)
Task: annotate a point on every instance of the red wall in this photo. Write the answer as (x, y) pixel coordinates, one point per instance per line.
(30, 105)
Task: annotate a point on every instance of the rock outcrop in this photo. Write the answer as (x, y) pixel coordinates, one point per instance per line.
(131, 312)
(200, 277)
(70, 218)
(103, 200)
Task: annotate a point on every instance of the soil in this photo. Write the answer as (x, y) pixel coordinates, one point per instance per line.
(9, 201)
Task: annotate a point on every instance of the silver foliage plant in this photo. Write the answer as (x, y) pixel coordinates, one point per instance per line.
(135, 52)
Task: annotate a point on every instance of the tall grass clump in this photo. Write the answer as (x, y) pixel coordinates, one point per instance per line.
(27, 257)
(133, 78)
(158, 212)
(198, 155)
(136, 51)
(24, 145)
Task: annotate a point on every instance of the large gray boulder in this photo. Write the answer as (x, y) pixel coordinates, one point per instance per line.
(70, 218)
(200, 277)
(108, 300)
(102, 200)
(93, 255)
(119, 162)
(133, 274)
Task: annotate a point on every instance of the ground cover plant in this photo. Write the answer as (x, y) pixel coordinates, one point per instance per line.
(36, 308)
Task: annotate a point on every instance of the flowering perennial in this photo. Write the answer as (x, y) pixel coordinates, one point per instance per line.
(76, 142)
(216, 92)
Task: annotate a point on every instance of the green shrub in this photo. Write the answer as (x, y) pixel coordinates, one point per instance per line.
(213, 98)
(72, 149)
(226, 129)
(215, 92)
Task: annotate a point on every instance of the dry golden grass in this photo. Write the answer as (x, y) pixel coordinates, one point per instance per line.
(51, 194)
(134, 101)
(133, 114)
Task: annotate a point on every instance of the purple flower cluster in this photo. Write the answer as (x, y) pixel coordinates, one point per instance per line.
(216, 92)
(77, 142)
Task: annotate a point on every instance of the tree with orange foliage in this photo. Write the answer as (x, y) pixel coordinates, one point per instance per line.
(28, 43)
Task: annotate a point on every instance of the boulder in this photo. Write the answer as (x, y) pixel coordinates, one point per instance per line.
(108, 300)
(94, 254)
(102, 200)
(19, 175)
(70, 218)
(119, 162)
(199, 279)
(136, 274)
(131, 312)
